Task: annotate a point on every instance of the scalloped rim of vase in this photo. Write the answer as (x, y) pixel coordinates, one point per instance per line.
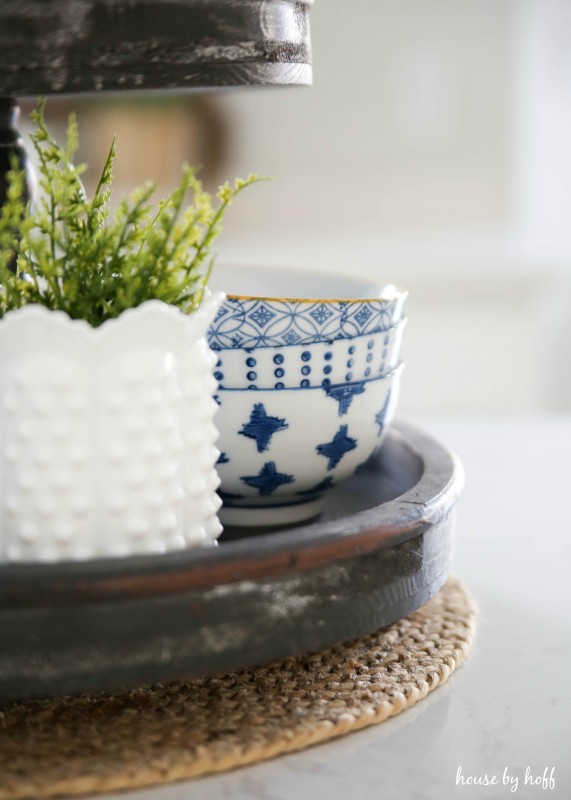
(61, 426)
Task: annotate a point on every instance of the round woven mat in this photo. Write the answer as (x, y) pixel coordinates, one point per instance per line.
(104, 742)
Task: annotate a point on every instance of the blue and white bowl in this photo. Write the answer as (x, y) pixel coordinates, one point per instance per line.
(307, 365)
(307, 386)
(276, 308)
(282, 449)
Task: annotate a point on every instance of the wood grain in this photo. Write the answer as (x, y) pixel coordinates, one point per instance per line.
(70, 46)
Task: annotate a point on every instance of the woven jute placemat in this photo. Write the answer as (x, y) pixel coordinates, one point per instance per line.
(104, 742)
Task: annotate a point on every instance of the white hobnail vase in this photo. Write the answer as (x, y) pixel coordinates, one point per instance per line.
(107, 434)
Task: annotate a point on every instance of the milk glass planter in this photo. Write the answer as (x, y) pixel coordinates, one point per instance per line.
(107, 434)
(106, 378)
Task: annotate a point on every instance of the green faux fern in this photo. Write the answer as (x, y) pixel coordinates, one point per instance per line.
(72, 254)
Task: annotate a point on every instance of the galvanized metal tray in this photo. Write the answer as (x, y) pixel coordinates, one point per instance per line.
(381, 549)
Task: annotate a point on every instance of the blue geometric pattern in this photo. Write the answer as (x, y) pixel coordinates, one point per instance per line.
(291, 337)
(322, 486)
(321, 314)
(223, 459)
(381, 416)
(262, 427)
(336, 449)
(363, 315)
(220, 313)
(269, 323)
(268, 479)
(344, 394)
(261, 316)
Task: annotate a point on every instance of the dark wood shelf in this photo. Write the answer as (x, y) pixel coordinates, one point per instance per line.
(382, 548)
(61, 47)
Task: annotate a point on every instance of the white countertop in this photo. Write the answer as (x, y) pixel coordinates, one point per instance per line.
(509, 706)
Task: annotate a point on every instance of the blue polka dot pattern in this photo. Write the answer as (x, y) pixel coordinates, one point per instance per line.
(333, 359)
(279, 372)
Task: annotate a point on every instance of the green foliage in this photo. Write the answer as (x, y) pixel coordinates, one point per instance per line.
(74, 255)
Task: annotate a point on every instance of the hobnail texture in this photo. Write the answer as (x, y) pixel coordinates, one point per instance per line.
(107, 435)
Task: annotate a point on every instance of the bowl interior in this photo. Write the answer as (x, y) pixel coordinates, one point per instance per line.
(282, 283)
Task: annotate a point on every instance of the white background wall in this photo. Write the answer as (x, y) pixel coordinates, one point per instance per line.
(434, 149)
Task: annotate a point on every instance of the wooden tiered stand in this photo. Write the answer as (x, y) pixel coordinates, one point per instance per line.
(383, 545)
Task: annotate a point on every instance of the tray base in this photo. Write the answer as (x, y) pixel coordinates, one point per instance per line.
(381, 549)
(89, 744)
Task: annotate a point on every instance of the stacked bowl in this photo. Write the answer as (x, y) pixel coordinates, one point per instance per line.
(307, 387)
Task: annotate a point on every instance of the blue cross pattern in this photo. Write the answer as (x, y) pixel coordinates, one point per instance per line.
(336, 449)
(262, 427)
(344, 394)
(268, 479)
